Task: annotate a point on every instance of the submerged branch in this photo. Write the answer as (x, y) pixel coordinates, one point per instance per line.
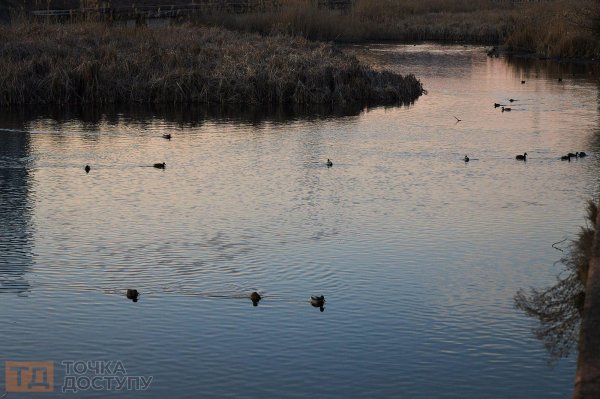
(559, 242)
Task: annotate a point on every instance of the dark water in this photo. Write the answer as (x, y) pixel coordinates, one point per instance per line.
(417, 253)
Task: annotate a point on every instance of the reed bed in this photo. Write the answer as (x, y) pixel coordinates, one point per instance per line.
(553, 28)
(558, 29)
(88, 63)
(374, 20)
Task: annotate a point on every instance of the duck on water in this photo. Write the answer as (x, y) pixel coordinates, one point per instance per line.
(318, 302)
(132, 294)
(255, 298)
(521, 157)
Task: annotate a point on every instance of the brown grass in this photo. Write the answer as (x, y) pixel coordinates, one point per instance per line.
(554, 28)
(93, 63)
(557, 29)
(377, 20)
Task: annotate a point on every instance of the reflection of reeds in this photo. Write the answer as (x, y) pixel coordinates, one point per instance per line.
(93, 63)
(558, 308)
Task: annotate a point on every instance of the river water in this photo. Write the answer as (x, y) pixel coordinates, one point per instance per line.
(417, 253)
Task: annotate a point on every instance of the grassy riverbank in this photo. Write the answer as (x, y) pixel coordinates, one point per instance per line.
(554, 28)
(549, 28)
(92, 63)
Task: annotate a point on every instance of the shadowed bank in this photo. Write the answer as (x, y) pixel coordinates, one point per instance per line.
(568, 311)
(587, 383)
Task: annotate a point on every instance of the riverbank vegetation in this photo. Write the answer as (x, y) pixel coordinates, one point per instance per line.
(559, 308)
(94, 63)
(548, 28)
(552, 28)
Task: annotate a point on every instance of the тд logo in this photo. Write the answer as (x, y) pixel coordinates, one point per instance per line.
(29, 376)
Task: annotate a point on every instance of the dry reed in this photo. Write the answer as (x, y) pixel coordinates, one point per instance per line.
(93, 63)
(553, 28)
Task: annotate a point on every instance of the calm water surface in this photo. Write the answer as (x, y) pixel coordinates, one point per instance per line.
(417, 253)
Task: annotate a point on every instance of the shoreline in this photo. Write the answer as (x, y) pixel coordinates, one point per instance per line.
(587, 379)
(484, 47)
(523, 54)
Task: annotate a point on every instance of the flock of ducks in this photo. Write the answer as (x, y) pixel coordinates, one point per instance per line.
(571, 155)
(504, 108)
(315, 301)
(163, 165)
(319, 301)
(160, 165)
(255, 297)
(523, 157)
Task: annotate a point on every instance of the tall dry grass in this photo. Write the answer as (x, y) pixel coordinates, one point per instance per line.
(560, 28)
(549, 28)
(376, 20)
(552, 28)
(94, 63)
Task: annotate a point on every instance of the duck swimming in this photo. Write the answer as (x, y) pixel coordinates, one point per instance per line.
(255, 298)
(87, 168)
(566, 157)
(133, 294)
(329, 163)
(466, 158)
(318, 302)
(167, 136)
(160, 165)
(522, 157)
(506, 109)
(580, 154)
